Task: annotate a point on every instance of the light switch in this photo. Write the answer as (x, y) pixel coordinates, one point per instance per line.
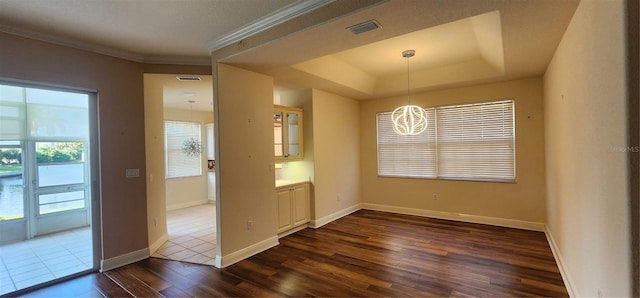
(129, 173)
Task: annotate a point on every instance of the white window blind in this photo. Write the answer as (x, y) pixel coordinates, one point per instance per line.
(178, 164)
(40, 114)
(477, 141)
(406, 156)
(462, 142)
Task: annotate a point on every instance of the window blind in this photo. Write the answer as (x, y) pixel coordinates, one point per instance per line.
(178, 163)
(462, 142)
(476, 141)
(40, 114)
(406, 156)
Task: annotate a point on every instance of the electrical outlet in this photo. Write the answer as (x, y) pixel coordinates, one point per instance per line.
(249, 224)
(130, 173)
(435, 196)
(155, 222)
(338, 198)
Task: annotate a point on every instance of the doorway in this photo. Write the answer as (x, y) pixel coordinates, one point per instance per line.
(182, 205)
(48, 173)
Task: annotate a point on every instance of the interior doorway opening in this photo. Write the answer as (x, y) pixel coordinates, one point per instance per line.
(180, 150)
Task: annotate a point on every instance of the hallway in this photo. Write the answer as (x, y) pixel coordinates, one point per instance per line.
(192, 235)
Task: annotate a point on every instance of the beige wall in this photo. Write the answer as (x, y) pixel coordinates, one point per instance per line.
(522, 201)
(155, 164)
(584, 98)
(336, 146)
(121, 123)
(121, 126)
(246, 179)
(189, 191)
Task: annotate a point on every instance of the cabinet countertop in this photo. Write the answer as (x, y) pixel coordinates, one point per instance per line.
(282, 182)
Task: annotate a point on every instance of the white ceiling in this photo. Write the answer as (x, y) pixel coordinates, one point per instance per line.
(457, 42)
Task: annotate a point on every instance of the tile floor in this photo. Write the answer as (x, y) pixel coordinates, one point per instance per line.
(41, 259)
(192, 235)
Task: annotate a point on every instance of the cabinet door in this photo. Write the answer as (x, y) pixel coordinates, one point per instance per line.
(293, 135)
(285, 221)
(300, 198)
(278, 134)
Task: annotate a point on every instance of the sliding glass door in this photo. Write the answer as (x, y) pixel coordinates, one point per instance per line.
(47, 178)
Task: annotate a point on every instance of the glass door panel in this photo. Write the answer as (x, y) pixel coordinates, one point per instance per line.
(47, 198)
(61, 188)
(278, 135)
(294, 143)
(11, 182)
(12, 192)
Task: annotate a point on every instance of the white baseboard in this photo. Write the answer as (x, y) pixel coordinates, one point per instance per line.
(156, 244)
(187, 204)
(561, 264)
(121, 260)
(237, 256)
(316, 223)
(289, 232)
(502, 222)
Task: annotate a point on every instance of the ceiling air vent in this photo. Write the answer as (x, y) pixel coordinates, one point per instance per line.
(364, 27)
(189, 78)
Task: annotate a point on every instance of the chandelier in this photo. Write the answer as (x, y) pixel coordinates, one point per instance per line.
(191, 146)
(409, 120)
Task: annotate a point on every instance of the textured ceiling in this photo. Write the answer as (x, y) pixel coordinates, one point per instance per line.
(458, 42)
(143, 30)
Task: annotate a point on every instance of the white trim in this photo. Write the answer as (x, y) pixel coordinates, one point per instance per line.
(159, 242)
(124, 259)
(187, 204)
(564, 272)
(316, 223)
(496, 221)
(289, 232)
(271, 20)
(239, 255)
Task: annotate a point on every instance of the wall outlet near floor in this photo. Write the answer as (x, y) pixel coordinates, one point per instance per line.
(338, 198)
(249, 224)
(155, 222)
(435, 197)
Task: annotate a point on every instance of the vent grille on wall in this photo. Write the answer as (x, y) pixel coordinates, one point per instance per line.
(189, 78)
(364, 27)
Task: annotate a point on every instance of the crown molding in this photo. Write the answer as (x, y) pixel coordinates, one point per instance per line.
(278, 17)
(72, 43)
(107, 51)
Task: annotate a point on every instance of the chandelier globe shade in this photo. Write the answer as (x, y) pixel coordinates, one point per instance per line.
(409, 119)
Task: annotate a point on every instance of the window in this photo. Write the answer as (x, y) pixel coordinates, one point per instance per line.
(179, 164)
(462, 142)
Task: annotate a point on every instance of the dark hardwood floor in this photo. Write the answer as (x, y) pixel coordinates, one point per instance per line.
(367, 253)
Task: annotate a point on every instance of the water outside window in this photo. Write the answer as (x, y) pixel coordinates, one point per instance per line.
(11, 191)
(46, 205)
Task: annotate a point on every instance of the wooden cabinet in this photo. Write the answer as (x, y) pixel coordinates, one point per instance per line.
(293, 206)
(287, 133)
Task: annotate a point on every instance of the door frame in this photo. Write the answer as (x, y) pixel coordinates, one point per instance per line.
(93, 158)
